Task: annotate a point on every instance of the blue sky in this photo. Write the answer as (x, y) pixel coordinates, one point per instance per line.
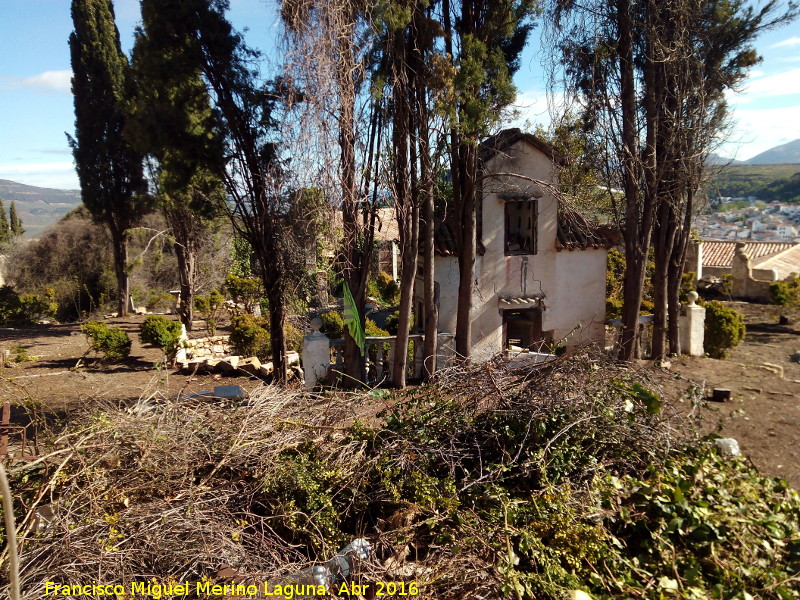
(36, 104)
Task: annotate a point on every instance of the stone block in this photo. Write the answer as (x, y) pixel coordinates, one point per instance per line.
(250, 366)
(228, 365)
(229, 392)
(266, 370)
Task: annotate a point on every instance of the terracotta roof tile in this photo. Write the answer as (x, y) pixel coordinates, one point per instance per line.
(720, 254)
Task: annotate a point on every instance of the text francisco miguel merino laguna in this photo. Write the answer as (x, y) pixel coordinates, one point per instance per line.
(156, 591)
(165, 590)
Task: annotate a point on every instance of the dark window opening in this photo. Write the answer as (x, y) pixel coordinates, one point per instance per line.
(522, 329)
(520, 226)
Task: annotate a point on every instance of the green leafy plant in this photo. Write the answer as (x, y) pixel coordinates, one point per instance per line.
(786, 293)
(210, 307)
(724, 329)
(112, 342)
(384, 288)
(332, 324)
(244, 290)
(163, 333)
(250, 336)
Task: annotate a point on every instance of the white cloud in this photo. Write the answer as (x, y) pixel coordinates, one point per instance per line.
(47, 81)
(57, 81)
(36, 167)
(792, 41)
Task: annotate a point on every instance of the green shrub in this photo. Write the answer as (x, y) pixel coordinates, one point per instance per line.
(332, 324)
(785, 293)
(244, 290)
(613, 308)
(210, 308)
(724, 329)
(250, 336)
(113, 343)
(161, 332)
(392, 322)
(384, 288)
(26, 309)
(10, 306)
(373, 330)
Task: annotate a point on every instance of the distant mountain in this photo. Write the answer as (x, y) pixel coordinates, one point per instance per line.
(716, 160)
(38, 208)
(785, 154)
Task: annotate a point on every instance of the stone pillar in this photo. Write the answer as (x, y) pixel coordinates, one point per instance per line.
(692, 327)
(741, 272)
(316, 355)
(694, 259)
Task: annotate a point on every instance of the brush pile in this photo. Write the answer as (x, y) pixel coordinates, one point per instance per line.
(491, 482)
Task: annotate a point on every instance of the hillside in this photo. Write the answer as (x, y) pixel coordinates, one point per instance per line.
(766, 182)
(784, 154)
(38, 207)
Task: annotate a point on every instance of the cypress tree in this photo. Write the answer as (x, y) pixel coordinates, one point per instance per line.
(109, 170)
(15, 221)
(5, 231)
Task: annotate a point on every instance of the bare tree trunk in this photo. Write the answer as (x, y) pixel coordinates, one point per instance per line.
(185, 254)
(119, 241)
(468, 166)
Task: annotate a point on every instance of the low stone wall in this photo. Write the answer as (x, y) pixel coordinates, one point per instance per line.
(217, 346)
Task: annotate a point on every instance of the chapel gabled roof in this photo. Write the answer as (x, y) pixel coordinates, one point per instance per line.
(502, 141)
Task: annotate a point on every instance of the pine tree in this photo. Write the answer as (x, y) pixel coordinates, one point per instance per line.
(110, 172)
(15, 221)
(5, 230)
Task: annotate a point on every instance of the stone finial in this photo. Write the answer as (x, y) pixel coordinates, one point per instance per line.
(693, 296)
(316, 325)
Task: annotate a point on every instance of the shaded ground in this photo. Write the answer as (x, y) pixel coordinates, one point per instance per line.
(52, 382)
(764, 412)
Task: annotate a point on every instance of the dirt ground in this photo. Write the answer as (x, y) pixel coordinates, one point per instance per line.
(763, 413)
(53, 381)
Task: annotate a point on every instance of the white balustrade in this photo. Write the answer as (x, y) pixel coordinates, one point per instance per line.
(380, 353)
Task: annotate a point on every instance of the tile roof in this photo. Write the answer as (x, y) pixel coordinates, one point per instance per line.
(576, 232)
(445, 242)
(720, 254)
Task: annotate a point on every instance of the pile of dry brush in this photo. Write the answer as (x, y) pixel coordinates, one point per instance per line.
(178, 490)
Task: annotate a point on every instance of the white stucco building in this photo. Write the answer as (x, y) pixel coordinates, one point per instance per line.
(541, 268)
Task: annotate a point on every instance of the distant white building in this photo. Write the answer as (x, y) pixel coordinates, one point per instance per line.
(787, 232)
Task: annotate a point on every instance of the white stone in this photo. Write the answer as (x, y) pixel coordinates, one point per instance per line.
(727, 447)
(316, 355)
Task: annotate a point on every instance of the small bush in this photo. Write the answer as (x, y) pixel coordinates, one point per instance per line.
(250, 336)
(113, 343)
(384, 288)
(392, 322)
(244, 290)
(785, 293)
(161, 332)
(332, 324)
(724, 329)
(210, 308)
(10, 305)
